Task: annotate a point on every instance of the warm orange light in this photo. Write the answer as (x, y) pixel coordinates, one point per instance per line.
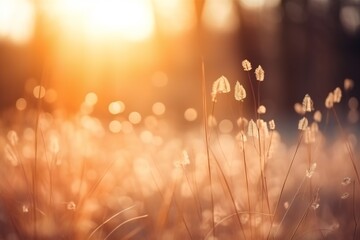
(126, 19)
(17, 18)
(177, 16)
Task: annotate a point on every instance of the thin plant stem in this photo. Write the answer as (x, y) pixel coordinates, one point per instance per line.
(196, 200)
(108, 220)
(290, 205)
(348, 147)
(34, 167)
(354, 210)
(253, 95)
(304, 215)
(123, 223)
(247, 183)
(233, 215)
(284, 183)
(205, 119)
(231, 196)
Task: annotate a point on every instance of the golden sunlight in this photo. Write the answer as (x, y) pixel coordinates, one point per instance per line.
(128, 19)
(16, 20)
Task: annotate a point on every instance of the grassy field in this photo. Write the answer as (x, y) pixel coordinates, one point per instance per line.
(81, 176)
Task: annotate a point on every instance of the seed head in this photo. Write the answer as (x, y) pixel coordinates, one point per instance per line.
(246, 65)
(252, 129)
(329, 101)
(303, 123)
(345, 195)
(221, 85)
(25, 208)
(307, 104)
(337, 95)
(272, 124)
(259, 74)
(346, 181)
(261, 109)
(240, 93)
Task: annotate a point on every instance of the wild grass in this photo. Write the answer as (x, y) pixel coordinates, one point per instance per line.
(69, 177)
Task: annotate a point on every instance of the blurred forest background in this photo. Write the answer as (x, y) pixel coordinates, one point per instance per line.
(151, 50)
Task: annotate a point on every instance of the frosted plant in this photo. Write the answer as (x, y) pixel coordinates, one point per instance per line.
(259, 74)
(307, 103)
(240, 93)
(246, 65)
(303, 123)
(221, 85)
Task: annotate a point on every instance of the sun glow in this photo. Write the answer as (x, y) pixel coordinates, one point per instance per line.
(126, 19)
(17, 20)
